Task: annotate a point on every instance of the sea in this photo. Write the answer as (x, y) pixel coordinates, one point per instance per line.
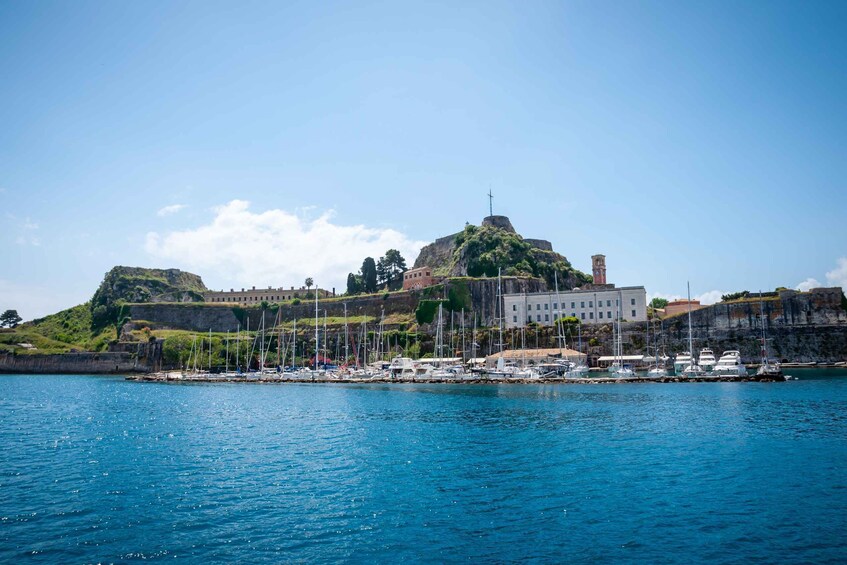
(96, 469)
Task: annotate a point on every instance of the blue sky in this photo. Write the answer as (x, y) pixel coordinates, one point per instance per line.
(259, 143)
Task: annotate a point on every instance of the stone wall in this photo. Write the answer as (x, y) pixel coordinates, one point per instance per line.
(221, 318)
(439, 252)
(81, 363)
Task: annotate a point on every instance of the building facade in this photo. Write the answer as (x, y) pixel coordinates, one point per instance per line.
(591, 306)
(680, 307)
(257, 296)
(418, 278)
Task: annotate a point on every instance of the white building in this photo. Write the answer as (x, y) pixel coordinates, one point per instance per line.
(591, 306)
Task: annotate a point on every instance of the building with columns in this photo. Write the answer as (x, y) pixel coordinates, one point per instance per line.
(590, 306)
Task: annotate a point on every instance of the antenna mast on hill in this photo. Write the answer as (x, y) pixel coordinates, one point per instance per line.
(490, 202)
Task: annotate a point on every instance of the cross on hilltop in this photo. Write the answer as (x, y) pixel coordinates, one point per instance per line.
(490, 203)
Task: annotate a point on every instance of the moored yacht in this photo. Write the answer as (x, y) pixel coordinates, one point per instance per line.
(681, 361)
(730, 365)
(706, 360)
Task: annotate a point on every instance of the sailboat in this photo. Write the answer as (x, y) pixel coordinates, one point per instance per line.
(767, 371)
(692, 370)
(618, 368)
(656, 371)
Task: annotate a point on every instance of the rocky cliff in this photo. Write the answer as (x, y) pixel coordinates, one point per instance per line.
(135, 284)
(480, 251)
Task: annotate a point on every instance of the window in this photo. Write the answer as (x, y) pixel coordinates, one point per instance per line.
(591, 315)
(538, 306)
(538, 317)
(617, 302)
(609, 315)
(608, 303)
(573, 305)
(546, 317)
(546, 306)
(632, 301)
(633, 313)
(600, 315)
(514, 319)
(583, 315)
(591, 304)
(555, 306)
(514, 308)
(582, 304)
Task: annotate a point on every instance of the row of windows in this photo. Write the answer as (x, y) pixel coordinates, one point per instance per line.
(573, 305)
(582, 316)
(416, 275)
(252, 298)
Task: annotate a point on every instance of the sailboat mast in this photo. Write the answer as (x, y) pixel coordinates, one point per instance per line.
(690, 341)
(237, 344)
(557, 315)
(226, 369)
(499, 309)
(463, 336)
(346, 335)
(210, 350)
(317, 337)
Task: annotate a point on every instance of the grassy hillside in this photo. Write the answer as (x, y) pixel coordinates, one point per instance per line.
(58, 333)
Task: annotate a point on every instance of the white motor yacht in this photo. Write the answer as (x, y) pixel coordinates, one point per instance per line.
(730, 365)
(681, 361)
(707, 360)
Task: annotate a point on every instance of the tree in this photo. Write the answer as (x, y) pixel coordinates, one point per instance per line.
(10, 319)
(382, 276)
(393, 265)
(369, 275)
(354, 283)
(309, 282)
(658, 303)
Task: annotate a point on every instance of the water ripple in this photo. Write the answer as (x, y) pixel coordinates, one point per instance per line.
(119, 471)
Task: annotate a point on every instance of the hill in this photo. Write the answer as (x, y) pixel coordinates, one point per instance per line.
(479, 251)
(136, 284)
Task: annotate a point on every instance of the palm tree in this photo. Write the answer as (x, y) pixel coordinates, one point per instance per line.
(309, 282)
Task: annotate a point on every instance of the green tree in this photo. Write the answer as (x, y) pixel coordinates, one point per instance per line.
(10, 319)
(354, 283)
(369, 275)
(658, 303)
(309, 282)
(393, 265)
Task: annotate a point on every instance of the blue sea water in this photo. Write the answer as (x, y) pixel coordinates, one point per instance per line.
(98, 469)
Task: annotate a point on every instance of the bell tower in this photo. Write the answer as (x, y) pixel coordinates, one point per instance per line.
(598, 266)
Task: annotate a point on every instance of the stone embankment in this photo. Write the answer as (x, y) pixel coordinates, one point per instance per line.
(122, 358)
(175, 377)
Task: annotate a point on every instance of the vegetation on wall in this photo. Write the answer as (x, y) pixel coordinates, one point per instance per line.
(425, 312)
(485, 250)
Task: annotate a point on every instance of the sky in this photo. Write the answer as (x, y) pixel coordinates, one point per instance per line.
(260, 143)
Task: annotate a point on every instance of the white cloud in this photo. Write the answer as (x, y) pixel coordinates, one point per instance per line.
(838, 276)
(168, 210)
(276, 247)
(710, 297)
(809, 284)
